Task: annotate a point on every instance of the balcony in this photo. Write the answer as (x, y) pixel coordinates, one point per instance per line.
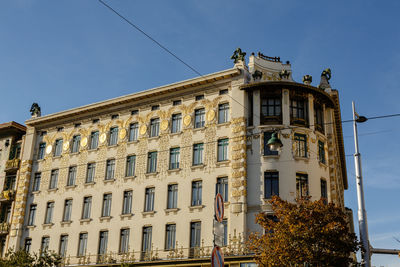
(12, 164)
(7, 195)
(4, 228)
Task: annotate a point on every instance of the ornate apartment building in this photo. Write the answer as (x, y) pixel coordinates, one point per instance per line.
(133, 179)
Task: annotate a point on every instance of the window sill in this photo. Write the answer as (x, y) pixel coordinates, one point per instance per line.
(226, 204)
(114, 145)
(201, 129)
(108, 181)
(37, 192)
(148, 213)
(93, 149)
(322, 164)
(129, 177)
(65, 222)
(57, 157)
(154, 137)
(271, 156)
(52, 190)
(133, 142)
(198, 166)
(105, 218)
(151, 174)
(301, 158)
(74, 153)
(40, 160)
(227, 123)
(198, 207)
(31, 227)
(86, 220)
(47, 225)
(174, 170)
(174, 211)
(126, 215)
(176, 134)
(89, 183)
(223, 163)
(70, 186)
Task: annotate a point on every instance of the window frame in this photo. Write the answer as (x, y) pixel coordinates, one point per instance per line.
(71, 179)
(133, 132)
(170, 236)
(223, 113)
(94, 140)
(176, 123)
(90, 172)
(222, 187)
(107, 204)
(86, 207)
(110, 170)
(152, 162)
(198, 153)
(302, 181)
(67, 212)
(174, 158)
(149, 198)
(113, 136)
(76, 142)
(53, 183)
(127, 202)
(271, 184)
(197, 193)
(301, 145)
(154, 127)
(199, 118)
(130, 166)
(172, 196)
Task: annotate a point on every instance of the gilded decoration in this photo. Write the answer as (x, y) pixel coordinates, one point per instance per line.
(143, 129)
(103, 138)
(49, 148)
(210, 115)
(164, 125)
(84, 142)
(65, 146)
(122, 134)
(187, 120)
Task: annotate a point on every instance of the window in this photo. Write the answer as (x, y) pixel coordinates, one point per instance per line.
(71, 176)
(324, 191)
(94, 140)
(225, 240)
(133, 132)
(199, 118)
(149, 199)
(114, 116)
(319, 118)
(174, 158)
(127, 202)
(146, 241)
(90, 172)
(271, 184)
(271, 107)
(110, 169)
(60, 129)
(172, 201)
(155, 107)
(223, 113)
(176, 123)
(267, 151)
(103, 240)
(154, 127)
(45, 243)
(113, 136)
(195, 234)
(36, 182)
(32, 214)
(298, 111)
(130, 165)
(95, 121)
(196, 193)
(67, 210)
(222, 188)
(106, 210)
(301, 145)
(223, 92)
(53, 179)
(63, 245)
(87, 205)
(124, 241)
(10, 182)
(152, 162)
(28, 244)
(134, 112)
(77, 125)
(58, 147)
(177, 102)
(199, 97)
(170, 232)
(42, 149)
(82, 244)
(49, 213)
(223, 149)
(76, 141)
(321, 152)
(301, 185)
(198, 154)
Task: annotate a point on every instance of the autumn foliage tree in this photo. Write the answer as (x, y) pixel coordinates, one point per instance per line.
(303, 233)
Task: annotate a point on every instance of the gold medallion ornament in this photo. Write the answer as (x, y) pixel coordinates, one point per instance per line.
(103, 137)
(122, 133)
(187, 120)
(49, 148)
(84, 141)
(66, 146)
(210, 115)
(164, 125)
(143, 129)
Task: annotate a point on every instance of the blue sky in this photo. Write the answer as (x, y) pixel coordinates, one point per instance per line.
(64, 54)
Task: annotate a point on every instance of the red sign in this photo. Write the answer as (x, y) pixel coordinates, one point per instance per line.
(219, 208)
(217, 257)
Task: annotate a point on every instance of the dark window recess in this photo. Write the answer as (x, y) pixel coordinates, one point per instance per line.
(95, 120)
(77, 125)
(177, 102)
(267, 151)
(134, 112)
(223, 92)
(114, 116)
(271, 184)
(199, 97)
(60, 129)
(319, 118)
(156, 107)
(299, 112)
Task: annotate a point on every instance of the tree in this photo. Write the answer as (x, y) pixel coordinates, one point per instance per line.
(21, 258)
(303, 233)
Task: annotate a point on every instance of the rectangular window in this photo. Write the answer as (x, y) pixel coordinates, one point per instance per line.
(223, 92)
(155, 107)
(172, 201)
(154, 127)
(152, 162)
(198, 154)
(42, 149)
(135, 112)
(113, 136)
(267, 150)
(106, 210)
(36, 182)
(130, 166)
(195, 234)
(298, 111)
(114, 116)
(177, 102)
(176, 123)
(222, 188)
(110, 169)
(94, 140)
(174, 156)
(223, 113)
(321, 152)
(87, 205)
(124, 241)
(10, 182)
(301, 185)
(301, 145)
(103, 240)
(90, 172)
(225, 240)
(199, 115)
(28, 245)
(83, 237)
(146, 241)
(63, 245)
(149, 199)
(71, 176)
(76, 142)
(45, 243)
(127, 203)
(271, 107)
(196, 193)
(170, 233)
(319, 118)
(58, 147)
(324, 191)
(133, 132)
(49, 213)
(53, 179)
(199, 97)
(67, 210)
(223, 149)
(271, 184)
(32, 214)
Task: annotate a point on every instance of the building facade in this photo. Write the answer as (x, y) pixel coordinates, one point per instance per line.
(133, 179)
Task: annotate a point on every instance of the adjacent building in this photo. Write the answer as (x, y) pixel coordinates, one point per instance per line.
(133, 179)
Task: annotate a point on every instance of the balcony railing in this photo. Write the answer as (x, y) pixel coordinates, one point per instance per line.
(12, 164)
(4, 228)
(7, 195)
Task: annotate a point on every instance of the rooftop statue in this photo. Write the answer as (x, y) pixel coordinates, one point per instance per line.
(238, 55)
(284, 74)
(325, 77)
(327, 73)
(35, 110)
